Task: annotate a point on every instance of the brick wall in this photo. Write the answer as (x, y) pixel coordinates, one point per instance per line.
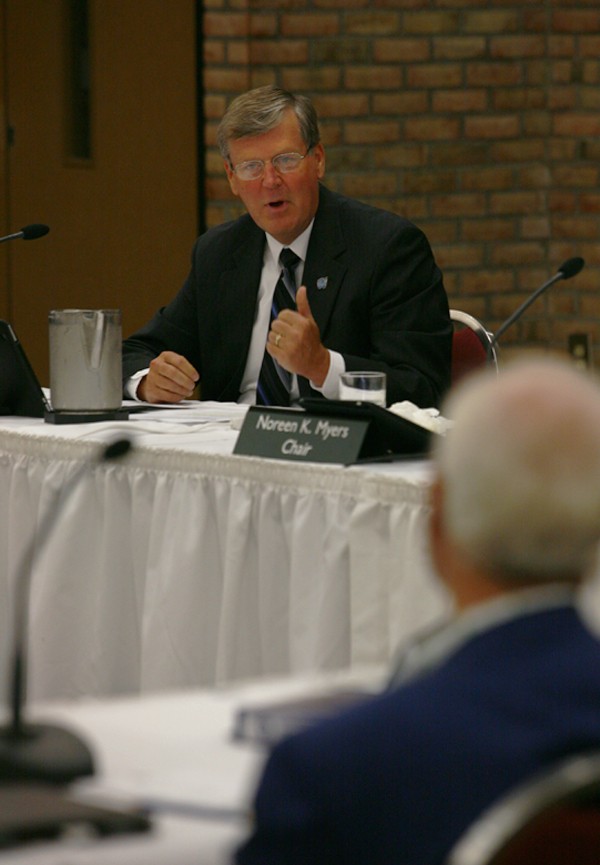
(477, 119)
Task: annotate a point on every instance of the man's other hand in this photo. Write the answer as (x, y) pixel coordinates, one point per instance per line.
(171, 378)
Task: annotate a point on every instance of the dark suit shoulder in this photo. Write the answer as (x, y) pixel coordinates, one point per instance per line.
(222, 240)
(358, 215)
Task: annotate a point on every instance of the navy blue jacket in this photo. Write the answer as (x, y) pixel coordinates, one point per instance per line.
(396, 781)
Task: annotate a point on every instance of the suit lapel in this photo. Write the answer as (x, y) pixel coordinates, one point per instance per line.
(326, 263)
(238, 290)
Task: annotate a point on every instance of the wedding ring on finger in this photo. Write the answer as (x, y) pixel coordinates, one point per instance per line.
(277, 340)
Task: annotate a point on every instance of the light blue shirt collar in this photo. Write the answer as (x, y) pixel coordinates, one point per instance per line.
(440, 642)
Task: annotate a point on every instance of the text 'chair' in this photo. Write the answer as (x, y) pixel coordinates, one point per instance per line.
(553, 819)
(472, 345)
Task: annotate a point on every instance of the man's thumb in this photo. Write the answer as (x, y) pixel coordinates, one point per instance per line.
(302, 304)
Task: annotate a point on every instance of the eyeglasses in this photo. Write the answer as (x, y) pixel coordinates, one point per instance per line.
(283, 163)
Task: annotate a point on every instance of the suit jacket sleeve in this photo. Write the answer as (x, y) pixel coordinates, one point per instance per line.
(210, 319)
(289, 824)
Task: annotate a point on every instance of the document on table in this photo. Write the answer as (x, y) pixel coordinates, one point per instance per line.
(186, 412)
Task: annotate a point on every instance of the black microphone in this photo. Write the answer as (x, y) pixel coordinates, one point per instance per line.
(29, 232)
(41, 752)
(569, 268)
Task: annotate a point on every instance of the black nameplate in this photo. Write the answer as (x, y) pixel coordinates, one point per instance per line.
(289, 434)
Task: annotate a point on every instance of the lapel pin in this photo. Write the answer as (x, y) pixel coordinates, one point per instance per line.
(322, 282)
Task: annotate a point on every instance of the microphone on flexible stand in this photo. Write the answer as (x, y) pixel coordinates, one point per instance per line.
(41, 752)
(569, 268)
(29, 232)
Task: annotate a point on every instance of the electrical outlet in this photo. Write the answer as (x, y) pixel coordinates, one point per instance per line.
(579, 349)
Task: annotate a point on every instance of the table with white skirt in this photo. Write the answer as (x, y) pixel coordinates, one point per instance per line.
(186, 565)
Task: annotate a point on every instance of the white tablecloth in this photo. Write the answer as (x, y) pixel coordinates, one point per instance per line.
(184, 565)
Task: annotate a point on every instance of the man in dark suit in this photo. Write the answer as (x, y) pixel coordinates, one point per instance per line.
(509, 686)
(369, 294)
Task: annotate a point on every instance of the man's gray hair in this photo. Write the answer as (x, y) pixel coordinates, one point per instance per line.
(261, 110)
(521, 471)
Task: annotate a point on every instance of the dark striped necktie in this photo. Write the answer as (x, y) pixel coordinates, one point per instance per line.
(274, 382)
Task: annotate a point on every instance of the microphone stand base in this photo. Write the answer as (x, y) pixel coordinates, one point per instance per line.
(42, 752)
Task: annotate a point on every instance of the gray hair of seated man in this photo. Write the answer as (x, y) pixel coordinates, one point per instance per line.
(521, 471)
(262, 109)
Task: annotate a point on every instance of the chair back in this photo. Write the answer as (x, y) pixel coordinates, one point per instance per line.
(553, 819)
(472, 345)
